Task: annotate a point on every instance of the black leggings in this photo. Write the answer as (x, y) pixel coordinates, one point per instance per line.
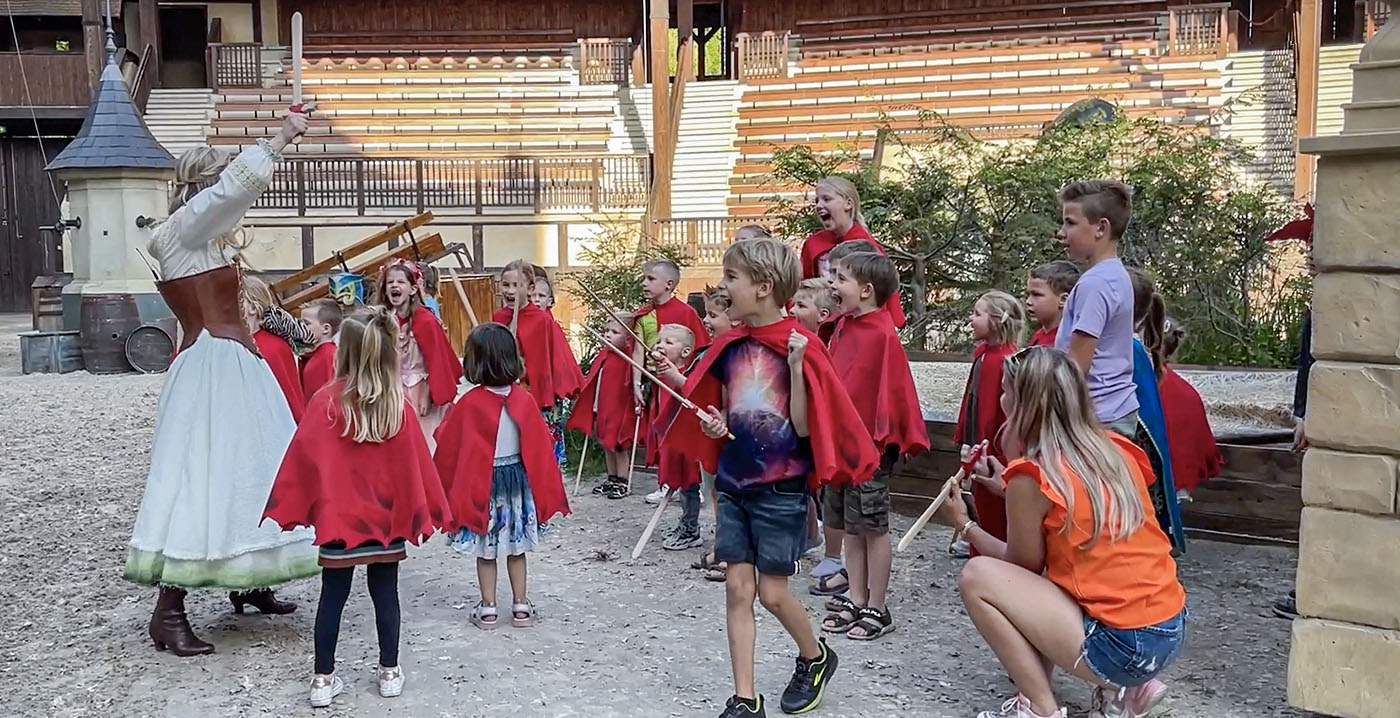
(383, 580)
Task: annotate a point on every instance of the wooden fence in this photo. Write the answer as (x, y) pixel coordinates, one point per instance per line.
(762, 55)
(1375, 14)
(703, 239)
(382, 183)
(235, 64)
(604, 61)
(1201, 30)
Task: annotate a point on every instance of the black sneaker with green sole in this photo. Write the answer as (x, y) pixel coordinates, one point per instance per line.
(804, 692)
(740, 708)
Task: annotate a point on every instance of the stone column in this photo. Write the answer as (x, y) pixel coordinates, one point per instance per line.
(1345, 657)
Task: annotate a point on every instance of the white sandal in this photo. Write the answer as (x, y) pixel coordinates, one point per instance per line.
(480, 613)
(525, 607)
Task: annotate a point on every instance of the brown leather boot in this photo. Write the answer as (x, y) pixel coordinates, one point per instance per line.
(170, 629)
(262, 599)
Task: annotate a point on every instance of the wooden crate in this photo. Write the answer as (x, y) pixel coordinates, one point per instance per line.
(481, 292)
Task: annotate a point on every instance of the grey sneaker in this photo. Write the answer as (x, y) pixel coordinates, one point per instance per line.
(681, 539)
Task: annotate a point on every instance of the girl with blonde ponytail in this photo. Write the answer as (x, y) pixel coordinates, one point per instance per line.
(1083, 572)
(362, 475)
(837, 207)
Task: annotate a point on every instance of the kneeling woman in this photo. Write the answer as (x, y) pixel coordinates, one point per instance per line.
(1085, 581)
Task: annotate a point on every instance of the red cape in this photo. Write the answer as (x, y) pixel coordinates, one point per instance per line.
(357, 492)
(836, 459)
(1195, 455)
(867, 355)
(444, 368)
(1044, 337)
(674, 311)
(827, 329)
(319, 368)
(985, 396)
(551, 372)
(822, 241)
(467, 447)
(283, 363)
(609, 385)
(673, 467)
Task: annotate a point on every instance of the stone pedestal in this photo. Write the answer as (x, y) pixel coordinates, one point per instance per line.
(1345, 657)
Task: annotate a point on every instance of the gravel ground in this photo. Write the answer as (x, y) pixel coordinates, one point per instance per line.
(616, 638)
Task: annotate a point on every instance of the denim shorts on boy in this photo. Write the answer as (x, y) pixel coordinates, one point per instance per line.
(1127, 657)
(765, 526)
(864, 509)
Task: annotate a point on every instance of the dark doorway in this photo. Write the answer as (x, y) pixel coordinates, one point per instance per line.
(710, 34)
(27, 202)
(183, 39)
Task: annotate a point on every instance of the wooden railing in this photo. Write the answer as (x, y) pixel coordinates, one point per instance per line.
(381, 183)
(762, 55)
(49, 79)
(144, 80)
(603, 61)
(1374, 14)
(703, 239)
(235, 64)
(1200, 30)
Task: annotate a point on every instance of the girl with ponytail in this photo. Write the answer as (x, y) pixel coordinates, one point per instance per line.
(1149, 361)
(428, 367)
(360, 473)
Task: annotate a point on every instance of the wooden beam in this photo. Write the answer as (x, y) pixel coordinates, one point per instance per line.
(660, 91)
(374, 240)
(431, 248)
(94, 41)
(148, 17)
(1308, 31)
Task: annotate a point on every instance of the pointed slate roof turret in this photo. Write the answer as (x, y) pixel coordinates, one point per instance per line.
(113, 135)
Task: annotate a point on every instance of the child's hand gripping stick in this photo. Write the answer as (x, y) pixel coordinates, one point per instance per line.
(952, 484)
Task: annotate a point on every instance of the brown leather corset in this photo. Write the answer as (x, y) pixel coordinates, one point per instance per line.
(208, 301)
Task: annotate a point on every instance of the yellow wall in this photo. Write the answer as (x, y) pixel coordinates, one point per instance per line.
(236, 19)
(269, 22)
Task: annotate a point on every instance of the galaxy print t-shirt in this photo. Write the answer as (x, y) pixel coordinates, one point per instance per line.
(765, 448)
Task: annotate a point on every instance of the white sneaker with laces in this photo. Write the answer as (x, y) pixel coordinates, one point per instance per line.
(656, 496)
(390, 681)
(324, 689)
(1018, 706)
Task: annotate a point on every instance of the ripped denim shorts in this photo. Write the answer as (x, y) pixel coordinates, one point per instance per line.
(1127, 657)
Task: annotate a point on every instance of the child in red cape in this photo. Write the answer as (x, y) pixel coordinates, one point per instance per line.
(322, 318)
(673, 357)
(717, 322)
(838, 209)
(815, 307)
(788, 413)
(428, 366)
(605, 409)
(275, 350)
(359, 471)
(496, 459)
(997, 320)
(871, 362)
(1047, 290)
(1195, 455)
(552, 375)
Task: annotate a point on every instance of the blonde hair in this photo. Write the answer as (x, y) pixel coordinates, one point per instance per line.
(196, 169)
(681, 332)
(1052, 419)
(820, 293)
(367, 359)
(847, 189)
(1008, 317)
(766, 260)
(256, 293)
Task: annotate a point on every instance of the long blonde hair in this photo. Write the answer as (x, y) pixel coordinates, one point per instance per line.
(1008, 317)
(196, 169)
(367, 359)
(1052, 420)
(847, 189)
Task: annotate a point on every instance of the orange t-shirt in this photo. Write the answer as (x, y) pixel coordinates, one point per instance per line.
(1128, 583)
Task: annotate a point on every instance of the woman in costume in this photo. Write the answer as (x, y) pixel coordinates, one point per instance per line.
(222, 423)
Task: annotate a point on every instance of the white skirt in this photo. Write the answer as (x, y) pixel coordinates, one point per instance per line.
(222, 427)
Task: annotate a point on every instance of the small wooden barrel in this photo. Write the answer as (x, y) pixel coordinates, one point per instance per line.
(50, 352)
(151, 347)
(105, 321)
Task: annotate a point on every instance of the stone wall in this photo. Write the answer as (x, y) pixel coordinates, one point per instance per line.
(1345, 657)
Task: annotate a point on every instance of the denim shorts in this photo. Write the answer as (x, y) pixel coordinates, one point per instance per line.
(1127, 657)
(766, 527)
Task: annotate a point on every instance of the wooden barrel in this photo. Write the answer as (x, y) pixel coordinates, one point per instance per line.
(105, 321)
(481, 294)
(151, 347)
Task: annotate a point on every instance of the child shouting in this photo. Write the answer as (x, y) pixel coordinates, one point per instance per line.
(770, 384)
(815, 307)
(868, 356)
(1047, 289)
(997, 321)
(673, 356)
(360, 472)
(428, 367)
(605, 409)
(717, 322)
(322, 319)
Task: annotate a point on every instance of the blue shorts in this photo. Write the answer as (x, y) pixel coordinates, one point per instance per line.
(1127, 657)
(766, 527)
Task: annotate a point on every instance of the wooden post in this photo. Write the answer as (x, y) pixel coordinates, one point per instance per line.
(660, 92)
(94, 41)
(562, 238)
(149, 18)
(685, 27)
(1308, 30)
(478, 247)
(308, 245)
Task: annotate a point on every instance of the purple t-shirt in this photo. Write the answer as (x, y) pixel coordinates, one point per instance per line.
(1101, 305)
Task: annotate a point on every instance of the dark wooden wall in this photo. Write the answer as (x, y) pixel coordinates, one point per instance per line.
(460, 21)
(779, 15)
(26, 203)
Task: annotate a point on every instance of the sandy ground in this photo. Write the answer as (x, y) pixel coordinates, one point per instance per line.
(616, 638)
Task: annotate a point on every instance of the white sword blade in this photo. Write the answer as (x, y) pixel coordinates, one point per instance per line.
(296, 58)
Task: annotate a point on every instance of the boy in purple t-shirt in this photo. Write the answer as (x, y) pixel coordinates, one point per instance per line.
(1097, 326)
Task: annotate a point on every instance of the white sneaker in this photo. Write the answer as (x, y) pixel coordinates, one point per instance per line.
(656, 496)
(1018, 706)
(324, 689)
(1132, 702)
(390, 681)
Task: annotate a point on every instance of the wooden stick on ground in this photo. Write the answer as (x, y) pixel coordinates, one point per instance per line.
(651, 525)
(948, 487)
(582, 454)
